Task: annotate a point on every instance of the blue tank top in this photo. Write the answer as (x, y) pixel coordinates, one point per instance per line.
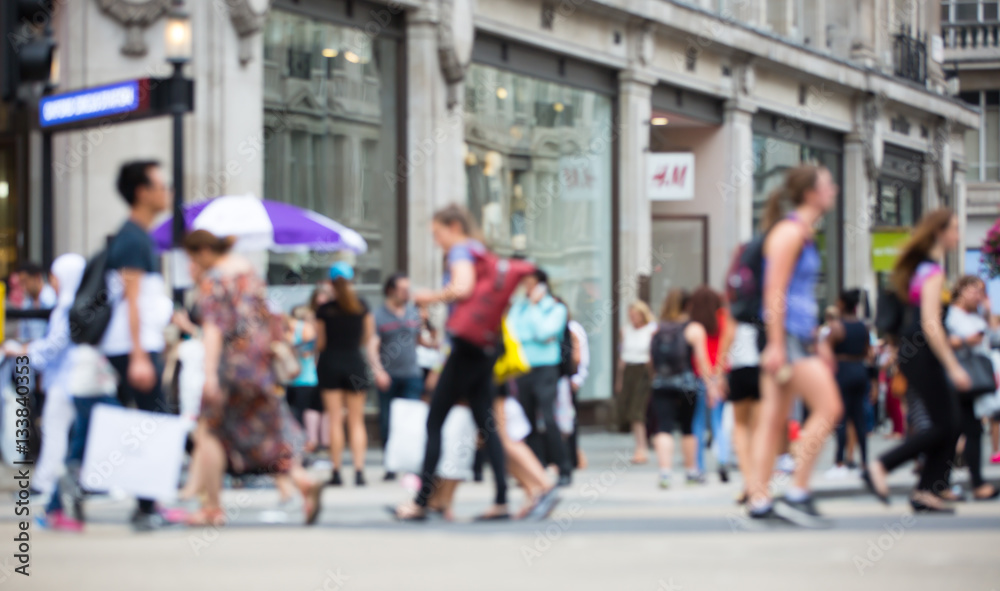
(802, 311)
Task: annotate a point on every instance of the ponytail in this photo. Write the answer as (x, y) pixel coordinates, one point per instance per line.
(790, 194)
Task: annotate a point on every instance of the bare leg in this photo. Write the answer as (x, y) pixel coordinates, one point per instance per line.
(772, 426)
(995, 436)
(285, 486)
(689, 448)
(312, 420)
(663, 444)
(213, 463)
(443, 498)
(820, 393)
(356, 426)
(193, 487)
(744, 418)
(641, 455)
(852, 441)
(333, 400)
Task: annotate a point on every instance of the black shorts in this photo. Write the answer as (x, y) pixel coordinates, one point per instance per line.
(674, 409)
(744, 384)
(342, 370)
(302, 398)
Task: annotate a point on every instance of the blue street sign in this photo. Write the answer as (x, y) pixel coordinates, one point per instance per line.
(93, 103)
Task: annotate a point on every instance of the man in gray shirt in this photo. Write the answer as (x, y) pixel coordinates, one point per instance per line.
(397, 328)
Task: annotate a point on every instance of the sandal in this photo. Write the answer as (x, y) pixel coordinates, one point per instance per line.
(406, 513)
(205, 517)
(313, 503)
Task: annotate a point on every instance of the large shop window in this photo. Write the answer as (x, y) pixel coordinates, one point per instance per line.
(330, 132)
(982, 146)
(773, 156)
(539, 173)
(899, 189)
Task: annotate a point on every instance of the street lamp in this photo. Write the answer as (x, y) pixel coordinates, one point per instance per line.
(178, 50)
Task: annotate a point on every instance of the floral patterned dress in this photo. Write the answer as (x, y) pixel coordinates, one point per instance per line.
(253, 424)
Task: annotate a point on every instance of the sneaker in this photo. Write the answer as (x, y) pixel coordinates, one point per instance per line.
(71, 495)
(801, 513)
(389, 477)
(564, 481)
(695, 478)
(545, 505)
(786, 464)
(359, 478)
(147, 522)
(996, 458)
(837, 473)
(59, 521)
(723, 475)
(766, 518)
(664, 482)
(335, 479)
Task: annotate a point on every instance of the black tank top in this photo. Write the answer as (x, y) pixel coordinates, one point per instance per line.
(856, 339)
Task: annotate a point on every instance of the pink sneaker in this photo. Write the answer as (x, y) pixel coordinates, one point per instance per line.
(996, 458)
(59, 521)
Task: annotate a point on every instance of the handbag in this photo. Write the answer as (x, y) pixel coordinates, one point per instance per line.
(284, 362)
(513, 363)
(980, 370)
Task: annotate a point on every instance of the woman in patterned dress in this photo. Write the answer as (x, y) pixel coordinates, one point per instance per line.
(243, 423)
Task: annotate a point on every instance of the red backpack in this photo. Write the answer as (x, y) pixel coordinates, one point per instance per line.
(477, 318)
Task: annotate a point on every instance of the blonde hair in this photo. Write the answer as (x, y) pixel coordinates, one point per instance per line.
(642, 308)
(673, 305)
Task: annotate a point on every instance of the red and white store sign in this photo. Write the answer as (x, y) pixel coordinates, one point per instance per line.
(670, 176)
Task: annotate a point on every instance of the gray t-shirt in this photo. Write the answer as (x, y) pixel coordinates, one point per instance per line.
(398, 336)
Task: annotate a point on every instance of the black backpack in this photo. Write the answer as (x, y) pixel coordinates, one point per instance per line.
(567, 367)
(91, 312)
(669, 351)
(745, 282)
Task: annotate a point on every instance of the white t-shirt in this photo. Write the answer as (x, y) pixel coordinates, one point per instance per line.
(963, 324)
(155, 310)
(743, 352)
(635, 342)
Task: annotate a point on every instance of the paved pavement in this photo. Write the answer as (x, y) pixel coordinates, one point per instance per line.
(614, 530)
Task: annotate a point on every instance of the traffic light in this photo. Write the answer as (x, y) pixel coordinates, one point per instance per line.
(28, 46)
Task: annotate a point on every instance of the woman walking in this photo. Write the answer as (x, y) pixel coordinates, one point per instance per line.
(344, 325)
(677, 347)
(707, 310)
(851, 343)
(744, 389)
(791, 266)
(632, 383)
(927, 362)
(968, 329)
(468, 371)
(242, 423)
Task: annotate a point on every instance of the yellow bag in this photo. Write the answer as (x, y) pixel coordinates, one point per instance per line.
(513, 363)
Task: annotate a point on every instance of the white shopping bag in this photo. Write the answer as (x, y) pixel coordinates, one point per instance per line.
(404, 451)
(135, 451)
(564, 411)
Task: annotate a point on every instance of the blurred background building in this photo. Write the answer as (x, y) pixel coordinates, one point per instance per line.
(627, 147)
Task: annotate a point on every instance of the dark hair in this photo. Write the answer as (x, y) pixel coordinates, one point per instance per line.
(569, 316)
(346, 298)
(456, 214)
(390, 283)
(540, 275)
(203, 239)
(704, 307)
(792, 192)
(313, 297)
(963, 282)
(918, 248)
(133, 175)
(849, 300)
(31, 268)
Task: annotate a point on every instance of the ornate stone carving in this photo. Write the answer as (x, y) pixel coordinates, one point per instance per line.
(455, 34)
(941, 157)
(746, 79)
(872, 147)
(248, 17)
(135, 16)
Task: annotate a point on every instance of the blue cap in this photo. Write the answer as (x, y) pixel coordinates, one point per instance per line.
(341, 269)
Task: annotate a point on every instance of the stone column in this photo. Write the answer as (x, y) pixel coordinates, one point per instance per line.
(857, 249)
(813, 23)
(935, 74)
(635, 91)
(738, 188)
(959, 198)
(863, 19)
(433, 166)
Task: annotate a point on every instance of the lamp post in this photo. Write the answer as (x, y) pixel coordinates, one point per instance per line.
(178, 49)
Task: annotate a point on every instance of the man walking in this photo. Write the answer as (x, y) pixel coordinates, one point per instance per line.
(134, 341)
(539, 322)
(393, 353)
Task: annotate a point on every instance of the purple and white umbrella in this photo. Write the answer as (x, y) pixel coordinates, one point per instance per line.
(264, 225)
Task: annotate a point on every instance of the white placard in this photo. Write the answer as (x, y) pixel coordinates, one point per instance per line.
(135, 451)
(670, 176)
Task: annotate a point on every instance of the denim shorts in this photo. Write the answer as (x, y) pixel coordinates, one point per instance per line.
(796, 348)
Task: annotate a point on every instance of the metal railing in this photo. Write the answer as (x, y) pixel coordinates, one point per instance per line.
(909, 55)
(973, 35)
